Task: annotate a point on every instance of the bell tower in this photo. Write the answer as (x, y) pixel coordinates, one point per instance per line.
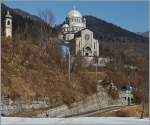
(8, 25)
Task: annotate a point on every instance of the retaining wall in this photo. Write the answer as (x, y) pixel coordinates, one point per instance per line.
(91, 103)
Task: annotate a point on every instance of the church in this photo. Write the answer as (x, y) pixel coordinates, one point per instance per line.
(74, 29)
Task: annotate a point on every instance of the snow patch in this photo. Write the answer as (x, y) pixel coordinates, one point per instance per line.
(76, 121)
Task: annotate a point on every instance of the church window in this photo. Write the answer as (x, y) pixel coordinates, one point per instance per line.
(94, 45)
(8, 22)
(87, 36)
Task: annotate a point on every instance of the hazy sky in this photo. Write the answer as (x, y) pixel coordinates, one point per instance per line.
(129, 15)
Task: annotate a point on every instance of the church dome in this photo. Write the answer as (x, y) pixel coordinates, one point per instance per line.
(74, 13)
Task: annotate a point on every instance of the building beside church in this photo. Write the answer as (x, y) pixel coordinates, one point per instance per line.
(74, 29)
(8, 25)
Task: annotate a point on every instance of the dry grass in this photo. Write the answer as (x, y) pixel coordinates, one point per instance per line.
(92, 75)
(128, 111)
(30, 71)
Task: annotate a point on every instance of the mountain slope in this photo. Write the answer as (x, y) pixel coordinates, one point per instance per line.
(144, 34)
(29, 71)
(104, 29)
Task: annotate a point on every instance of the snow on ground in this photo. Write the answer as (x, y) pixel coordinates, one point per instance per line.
(75, 121)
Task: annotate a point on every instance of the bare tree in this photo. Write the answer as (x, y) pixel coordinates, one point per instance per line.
(46, 26)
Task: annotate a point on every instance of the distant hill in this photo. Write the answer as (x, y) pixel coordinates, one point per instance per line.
(19, 12)
(144, 34)
(103, 29)
(26, 15)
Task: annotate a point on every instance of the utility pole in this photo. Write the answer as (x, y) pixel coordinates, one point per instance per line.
(69, 61)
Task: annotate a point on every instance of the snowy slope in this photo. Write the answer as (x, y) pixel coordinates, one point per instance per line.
(76, 121)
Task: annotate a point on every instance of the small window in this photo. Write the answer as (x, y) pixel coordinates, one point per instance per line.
(8, 22)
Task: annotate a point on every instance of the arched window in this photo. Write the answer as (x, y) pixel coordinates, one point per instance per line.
(8, 22)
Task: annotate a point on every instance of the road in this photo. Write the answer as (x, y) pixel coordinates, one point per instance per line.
(93, 113)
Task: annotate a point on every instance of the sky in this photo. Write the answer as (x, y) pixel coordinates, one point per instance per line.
(130, 15)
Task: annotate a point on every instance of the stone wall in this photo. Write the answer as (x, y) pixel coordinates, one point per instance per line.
(9, 107)
(91, 103)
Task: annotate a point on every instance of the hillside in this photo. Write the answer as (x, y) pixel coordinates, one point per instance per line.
(29, 71)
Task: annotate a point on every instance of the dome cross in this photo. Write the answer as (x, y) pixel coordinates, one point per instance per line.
(74, 7)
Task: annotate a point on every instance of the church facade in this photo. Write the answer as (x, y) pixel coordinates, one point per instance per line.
(85, 43)
(75, 30)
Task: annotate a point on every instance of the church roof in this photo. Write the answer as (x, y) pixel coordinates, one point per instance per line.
(74, 13)
(65, 25)
(8, 14)
(78, 34)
